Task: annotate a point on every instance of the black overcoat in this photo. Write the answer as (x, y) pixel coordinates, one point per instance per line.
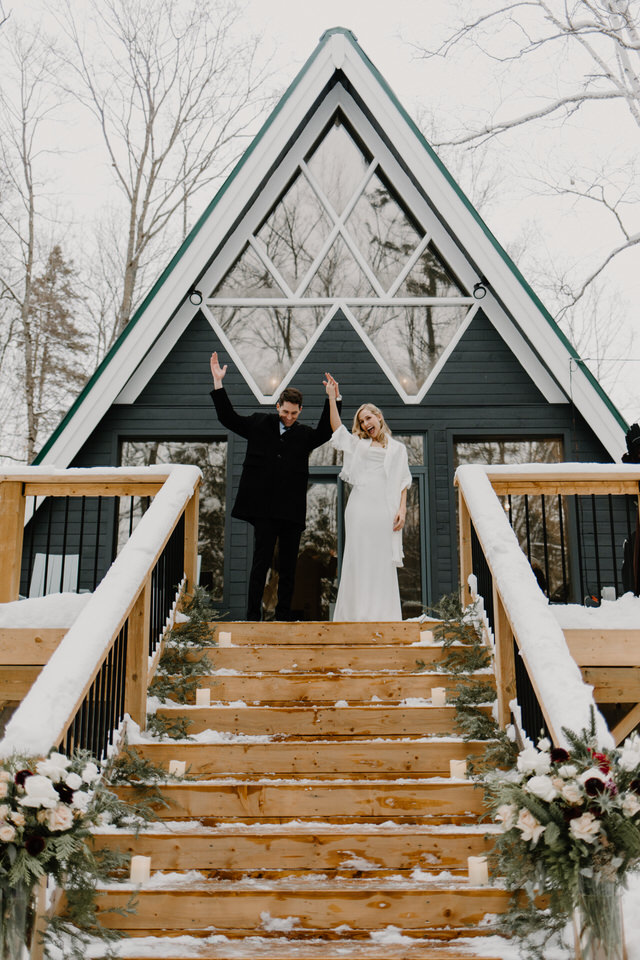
(273, 484)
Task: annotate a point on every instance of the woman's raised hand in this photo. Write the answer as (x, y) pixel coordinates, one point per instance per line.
(331, 386)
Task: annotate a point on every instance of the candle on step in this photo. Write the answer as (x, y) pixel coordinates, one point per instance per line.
(478, 871)
(224, 639)
(203, 697)
(608, 593)
(438, 696)
(426, 636)
(177, 767)
(140, 869)
(458, 768)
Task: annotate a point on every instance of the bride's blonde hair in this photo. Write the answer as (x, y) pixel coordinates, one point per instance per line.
(385, 431)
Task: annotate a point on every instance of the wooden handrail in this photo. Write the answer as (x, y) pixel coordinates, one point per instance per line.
(521, 610)
(122, 597)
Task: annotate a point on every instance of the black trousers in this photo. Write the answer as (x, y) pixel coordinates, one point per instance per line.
(265, 534)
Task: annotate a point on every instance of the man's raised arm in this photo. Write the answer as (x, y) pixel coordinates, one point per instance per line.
(226, 414)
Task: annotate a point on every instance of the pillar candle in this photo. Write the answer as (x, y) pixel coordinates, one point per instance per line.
(478, 871)
(203, 697)
(140, 869)
(177, 767)
(438, 696)
(426, 636)
(224, 639)
(458, 768)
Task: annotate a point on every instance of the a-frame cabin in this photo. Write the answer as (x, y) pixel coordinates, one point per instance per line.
(340, 242)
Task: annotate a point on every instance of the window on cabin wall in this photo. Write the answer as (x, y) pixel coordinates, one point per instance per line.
(211, 457)
(340, 231)
(540, 523)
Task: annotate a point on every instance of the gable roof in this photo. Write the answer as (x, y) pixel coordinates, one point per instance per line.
(165, 312)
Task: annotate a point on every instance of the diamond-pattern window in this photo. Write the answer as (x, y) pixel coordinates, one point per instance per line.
(338, 165)
(294, 231)
(339, 275)
(411, 339)
(382, 230)
(339, 194)
(268, 340)
(248, 277)
(430, 277)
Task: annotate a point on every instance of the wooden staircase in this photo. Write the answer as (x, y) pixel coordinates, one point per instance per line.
(319, 820)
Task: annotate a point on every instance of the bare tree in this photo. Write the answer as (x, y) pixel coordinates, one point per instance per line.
(173, 86)
(569, 57)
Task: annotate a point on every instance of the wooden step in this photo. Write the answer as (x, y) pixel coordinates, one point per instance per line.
(340, 721)
(336, 657)
(249, 907)
(313, 688)
(279, 948)
(321, 632)
(297, 846)
(267, 799)
(362, 757)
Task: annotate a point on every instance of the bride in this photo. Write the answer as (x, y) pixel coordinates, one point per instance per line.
(378, 469)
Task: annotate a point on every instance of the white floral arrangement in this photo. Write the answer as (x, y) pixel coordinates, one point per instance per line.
(570, 821)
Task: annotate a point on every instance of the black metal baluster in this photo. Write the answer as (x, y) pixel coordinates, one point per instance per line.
(81, 541)
(565, 585)
(47, 548)
(595, 544)
(527, 525)
(97, 544)
(545, 544)
(32, 537)
(64, 542)
(579, 534)
(613, 544)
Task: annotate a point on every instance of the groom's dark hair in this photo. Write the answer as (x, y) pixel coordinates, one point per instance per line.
(290, 395)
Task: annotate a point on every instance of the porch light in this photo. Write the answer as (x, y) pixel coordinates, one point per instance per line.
(196, 298)
(480, 288)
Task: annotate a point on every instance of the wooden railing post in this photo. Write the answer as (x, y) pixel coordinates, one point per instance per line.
(466, 560)
(11, 534)
(505, 664)
(135, 696)
(191, 514)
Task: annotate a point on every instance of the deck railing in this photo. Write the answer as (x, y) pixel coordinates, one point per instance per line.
(537, 669)
(100, 670)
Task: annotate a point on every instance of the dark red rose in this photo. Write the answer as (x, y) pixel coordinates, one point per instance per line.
(34, 844)
(635, 785)
(603, 762)
(594, 786)
(64, 792)
(21, 776)
(559, 755)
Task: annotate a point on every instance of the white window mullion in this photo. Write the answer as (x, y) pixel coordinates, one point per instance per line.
(326, 246)
(271, 267)
(409, 265)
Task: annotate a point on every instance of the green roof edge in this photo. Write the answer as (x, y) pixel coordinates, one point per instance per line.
(350, 36)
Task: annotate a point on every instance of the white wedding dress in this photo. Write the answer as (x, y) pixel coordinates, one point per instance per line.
(369, 579)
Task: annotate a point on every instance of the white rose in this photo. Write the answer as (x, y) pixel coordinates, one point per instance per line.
(4, 811)
(18, 818)
(529, 826)
(585, 827)
(4, 789)
(567, 771)
(630, 805)
(544, 744)
(571, 792)
(630, 756)
(53, 767)
(81, 800)
(506, 815)
(60, 818)
(39, 792)
(532, 761)
(542, 787)
(7, 833)
(5, 776)
(73, 781)
(90, 773)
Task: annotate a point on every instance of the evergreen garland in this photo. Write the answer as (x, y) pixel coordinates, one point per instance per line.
(180, 666)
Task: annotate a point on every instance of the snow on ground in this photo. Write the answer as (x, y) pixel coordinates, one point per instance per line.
(620, 614)
(54, 610)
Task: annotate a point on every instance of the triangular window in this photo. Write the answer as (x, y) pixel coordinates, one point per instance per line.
(248, 277)
(339, 275)
(430, 277)
(338, 164)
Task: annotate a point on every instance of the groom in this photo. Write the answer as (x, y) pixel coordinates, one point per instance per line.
(272, 494)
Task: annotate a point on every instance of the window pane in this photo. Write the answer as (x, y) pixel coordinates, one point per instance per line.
(294, 232)
(384, 234)
(415, 447)
(339, 165)
(411, 339)
(410, 574)
(430, 277)
(212, 460)
(268, 339)
(325, 456)
(339, 275)
(248, 277)
(540, 524)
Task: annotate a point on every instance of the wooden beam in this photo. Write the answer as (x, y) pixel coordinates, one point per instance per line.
(626, 725)
(466, 560)
(29, 645)
(505, 665)
(566, 487)
(611, 684)
(603, 648)
(191, 516)
(135, 697)
(38, 488)
(11, 534)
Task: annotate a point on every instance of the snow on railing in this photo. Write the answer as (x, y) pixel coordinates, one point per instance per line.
(521, 612)
(119, 606)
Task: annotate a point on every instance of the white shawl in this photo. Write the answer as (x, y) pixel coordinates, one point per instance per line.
(396, 468)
